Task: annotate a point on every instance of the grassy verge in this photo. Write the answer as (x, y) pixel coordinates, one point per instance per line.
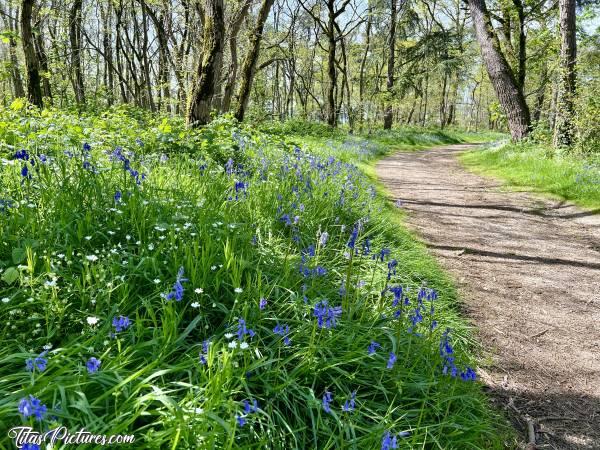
(535, 167)
(219, 289)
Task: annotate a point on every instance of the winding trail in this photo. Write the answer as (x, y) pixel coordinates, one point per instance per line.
(528, 269)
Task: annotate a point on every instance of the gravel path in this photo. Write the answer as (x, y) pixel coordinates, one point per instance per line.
(528, 269)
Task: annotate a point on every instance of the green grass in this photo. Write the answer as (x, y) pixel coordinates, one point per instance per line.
(72, 249)
(537, 168)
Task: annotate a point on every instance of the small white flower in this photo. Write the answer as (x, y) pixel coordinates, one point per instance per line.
(47, 346)
(92, 320)
(91, 258)
(244, 345)
(213, 267)
(128, 237)
(150, 247)
(238, 290)
(5, 300)
(156, 281)
(195, 305)
(228, 335)
(198, 290)
(87, 238)
(232, 344)
(198, 410)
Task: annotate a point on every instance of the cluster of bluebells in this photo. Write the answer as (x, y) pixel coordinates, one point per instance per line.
(326, 315)
(119, 155)
(121, 323)
(39, 363)
(448, 360)
(204, 352)
(93, 364)
(249, 408)
(32, 406)
(283, 331)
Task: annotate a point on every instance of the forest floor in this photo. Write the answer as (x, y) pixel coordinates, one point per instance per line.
(528, 269)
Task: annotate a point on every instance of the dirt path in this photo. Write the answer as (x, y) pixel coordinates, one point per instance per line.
(528, 269)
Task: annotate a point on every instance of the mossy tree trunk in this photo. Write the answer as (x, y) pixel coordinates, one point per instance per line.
(249, 66)
(565, 108)
(209, 68)
(34, 88)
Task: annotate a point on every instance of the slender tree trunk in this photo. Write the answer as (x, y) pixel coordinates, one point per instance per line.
(249, 66)
(75, 38)
(565, 111)
(34, 89)
(510, 95)
(331, 72)
(363, 65)
(208, 73)
(233, 66)
(43, 59)
(388, 115)
(17, 82)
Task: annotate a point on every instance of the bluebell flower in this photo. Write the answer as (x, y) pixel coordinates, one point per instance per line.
(285, 218)
(87, 147)
(38, 363)
(22, 155)
(93, 364)
(32, 406)
(389, 442)
(373, 346)
(121, 323)
(241, 421)
(352, 241)
(263, 303)
(326, 315)
(320, 271)
(391, 360)
(284, 331)
(468, 375)
(229, 166)
(25, 172)
(243, 330)
(30, 446)
(177, 290)
(324, 238)
(250, 407)
(204, 352)
(350, 404)
(392, 265)
(327, 399)
(118, 196)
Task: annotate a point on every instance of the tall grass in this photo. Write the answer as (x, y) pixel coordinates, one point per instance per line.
(255, 277)
(539, 168)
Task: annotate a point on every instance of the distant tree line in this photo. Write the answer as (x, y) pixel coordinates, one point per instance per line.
(497, 64)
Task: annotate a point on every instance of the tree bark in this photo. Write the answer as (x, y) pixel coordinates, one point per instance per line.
(208, 73)
(388, 115)
(75, 39)
(233, 66)
(249, 66)
(509, 94)
(34, 89)
(565, 109)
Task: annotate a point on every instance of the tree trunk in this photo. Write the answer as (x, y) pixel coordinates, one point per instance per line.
(34, 89)
(509, 94)
(208, 73)
(233, 66)
(331, 72)
(43, 59)
(565, 111)
(75, 38)
(249, 66)
(388, 115)
(17, 82)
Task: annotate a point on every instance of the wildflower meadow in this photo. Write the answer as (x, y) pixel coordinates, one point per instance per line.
(228, 287)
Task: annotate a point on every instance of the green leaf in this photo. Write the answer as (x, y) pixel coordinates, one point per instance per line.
(19, 255)
(10, 275)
